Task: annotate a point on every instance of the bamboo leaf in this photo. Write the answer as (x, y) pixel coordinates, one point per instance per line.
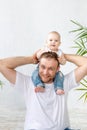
(78, 24)
(1, 84)
(74, 47)
(85, 81)
(82, 95)
(79, 50)
(76, 30)
(82, 36)
(84, 85)
(85, 97)
(81, 46)
(83, 53)
(83, 89)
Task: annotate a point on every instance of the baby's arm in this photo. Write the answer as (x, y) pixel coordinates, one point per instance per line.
(61, 58)
(39, 53)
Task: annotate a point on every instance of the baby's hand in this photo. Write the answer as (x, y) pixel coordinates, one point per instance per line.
(35, 59)
(62, 59)
(40, 52)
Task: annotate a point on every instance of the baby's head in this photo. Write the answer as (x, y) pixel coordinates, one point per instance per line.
(53, 40)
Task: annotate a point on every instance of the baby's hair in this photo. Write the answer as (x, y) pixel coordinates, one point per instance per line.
(55, 32)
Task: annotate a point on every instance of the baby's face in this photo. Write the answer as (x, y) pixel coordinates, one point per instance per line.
(53, 41)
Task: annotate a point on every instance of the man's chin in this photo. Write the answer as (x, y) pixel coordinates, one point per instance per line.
(46, 81)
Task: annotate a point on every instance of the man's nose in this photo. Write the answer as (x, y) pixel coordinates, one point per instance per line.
(45, 71)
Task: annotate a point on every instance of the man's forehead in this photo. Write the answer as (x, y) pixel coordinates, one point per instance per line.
(48, 61)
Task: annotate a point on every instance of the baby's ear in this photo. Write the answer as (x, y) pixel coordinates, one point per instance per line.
(59, 43)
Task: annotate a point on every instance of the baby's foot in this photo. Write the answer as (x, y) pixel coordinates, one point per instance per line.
(59, 91)
(39, 89)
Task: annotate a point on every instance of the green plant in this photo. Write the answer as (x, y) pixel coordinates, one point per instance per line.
(1, 84)
(81, 49)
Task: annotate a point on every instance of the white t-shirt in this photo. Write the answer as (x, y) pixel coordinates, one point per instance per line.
(47, 110)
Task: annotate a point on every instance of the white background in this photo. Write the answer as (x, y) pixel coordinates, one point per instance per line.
(24, 25)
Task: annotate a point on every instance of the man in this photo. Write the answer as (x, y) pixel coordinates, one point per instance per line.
(47, 110)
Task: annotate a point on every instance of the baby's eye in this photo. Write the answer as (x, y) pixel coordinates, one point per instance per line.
(50, 39)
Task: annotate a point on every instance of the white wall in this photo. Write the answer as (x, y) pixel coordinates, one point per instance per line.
(24, 25)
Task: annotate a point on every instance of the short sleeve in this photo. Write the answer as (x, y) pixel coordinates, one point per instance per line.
(22, 82)
(59, 52)
(70, 81)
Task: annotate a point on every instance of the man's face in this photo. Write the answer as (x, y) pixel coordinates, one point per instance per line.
(47, 69)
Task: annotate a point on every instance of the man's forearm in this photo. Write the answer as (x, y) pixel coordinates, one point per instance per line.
(14, 62)
(8, 65)
(77, 60)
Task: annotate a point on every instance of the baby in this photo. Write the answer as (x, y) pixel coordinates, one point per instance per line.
(52, 44)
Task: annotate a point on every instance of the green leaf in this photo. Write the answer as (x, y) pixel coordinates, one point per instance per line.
(83, 89)
(84, 84)
(80, 44)
(84, 81)
(84, 96)
(1, 84)
(78, 24)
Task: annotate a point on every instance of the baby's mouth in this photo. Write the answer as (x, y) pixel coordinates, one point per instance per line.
(53, 45)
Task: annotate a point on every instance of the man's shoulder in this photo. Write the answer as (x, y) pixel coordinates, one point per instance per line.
(21, 76)
(23, 81)
(70, 81)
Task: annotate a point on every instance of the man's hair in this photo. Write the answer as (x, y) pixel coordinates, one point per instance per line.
(51, 55)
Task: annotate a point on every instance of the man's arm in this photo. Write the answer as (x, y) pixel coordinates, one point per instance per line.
(8, 65)
(81, 62)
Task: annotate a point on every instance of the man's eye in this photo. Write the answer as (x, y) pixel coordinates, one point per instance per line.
(43, 67)
(51, 69)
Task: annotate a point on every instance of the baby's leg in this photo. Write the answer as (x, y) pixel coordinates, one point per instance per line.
(37, 81)
(58, 83)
